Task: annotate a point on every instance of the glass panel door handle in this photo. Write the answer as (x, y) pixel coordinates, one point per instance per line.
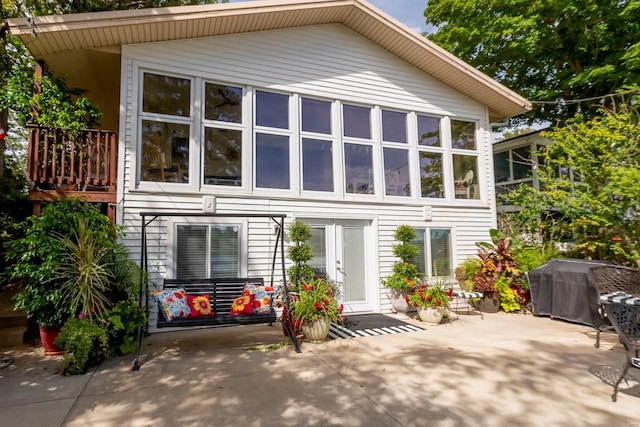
(339, 268)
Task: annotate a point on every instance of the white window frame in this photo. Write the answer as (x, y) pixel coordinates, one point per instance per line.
(172, 235)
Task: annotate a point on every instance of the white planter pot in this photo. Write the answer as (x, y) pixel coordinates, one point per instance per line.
(399, 301)
(316, 330)
(431, 315)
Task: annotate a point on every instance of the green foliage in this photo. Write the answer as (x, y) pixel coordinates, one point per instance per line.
(545, 50)
(507, 295)
(122, 323)
(85, 344)
(436, 294)
(405, 250)
(405, 274)
(86, 272)
(57, 108)
(466, 271)
(600, 209)
(300, 254)
(316, 299)
(37, 256)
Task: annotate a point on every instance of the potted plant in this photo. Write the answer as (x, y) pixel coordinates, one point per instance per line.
(498, 270)
(432, 300)
(316, 307)
(405, 274)
(37, 259)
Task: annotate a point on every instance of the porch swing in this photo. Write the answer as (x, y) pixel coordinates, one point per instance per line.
(220, 291)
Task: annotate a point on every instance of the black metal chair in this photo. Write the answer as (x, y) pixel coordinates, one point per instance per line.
(611, 279)
(625, 320)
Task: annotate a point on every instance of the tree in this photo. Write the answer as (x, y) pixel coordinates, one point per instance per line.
(17, 68)
(547, 50)
(589, 186)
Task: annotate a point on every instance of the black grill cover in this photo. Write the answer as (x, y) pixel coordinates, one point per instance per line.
(562, 288)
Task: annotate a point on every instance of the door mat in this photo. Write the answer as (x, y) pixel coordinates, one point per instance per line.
(367, 325)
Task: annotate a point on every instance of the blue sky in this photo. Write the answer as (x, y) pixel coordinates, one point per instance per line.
(409, 12)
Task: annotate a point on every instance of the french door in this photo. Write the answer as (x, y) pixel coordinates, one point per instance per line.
(341, 253)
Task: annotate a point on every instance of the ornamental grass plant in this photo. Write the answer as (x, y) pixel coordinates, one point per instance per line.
(317, 299)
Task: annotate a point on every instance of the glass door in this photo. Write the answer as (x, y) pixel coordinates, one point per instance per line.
(340, 254)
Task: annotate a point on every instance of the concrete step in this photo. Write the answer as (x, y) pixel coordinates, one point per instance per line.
(12, 337)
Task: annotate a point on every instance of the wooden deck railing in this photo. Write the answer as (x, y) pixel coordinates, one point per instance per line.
(58, 163)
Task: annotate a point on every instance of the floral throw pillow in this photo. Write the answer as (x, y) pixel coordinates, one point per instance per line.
(243, 305)
(262, 296)
(199, 305)
(173, 303)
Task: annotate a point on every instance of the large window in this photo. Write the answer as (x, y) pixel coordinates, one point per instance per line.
(358, 150)
(465, 159)
(272, 139)
(229, 138)
(207, 250)
(430, 154)
(223, 135)
(434, 256)
(317, 145)
(165, 128)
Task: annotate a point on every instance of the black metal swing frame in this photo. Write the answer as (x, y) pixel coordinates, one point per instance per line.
(149, 217)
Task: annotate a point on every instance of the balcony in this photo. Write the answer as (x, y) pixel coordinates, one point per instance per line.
(60, 166)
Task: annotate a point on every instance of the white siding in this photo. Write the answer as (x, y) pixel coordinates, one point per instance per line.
(327, 61)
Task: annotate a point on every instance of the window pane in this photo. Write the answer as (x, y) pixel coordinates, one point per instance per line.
(394, 126)
(358, 167)
(420, 259)
(441, 252)
(465, 172)
(222, 157)
(317, 165)
(431, 175)
(272, 161)
(463, 135)
(357, 121)
(501, 166)
(316, 116)
(319, 248)
(272, 110)
(165, 152)
(223, 103)
(521, 158)
(354, 265)
(191, 251)
(224, 256)
(396, 172)
(429, 131)
(166, 95)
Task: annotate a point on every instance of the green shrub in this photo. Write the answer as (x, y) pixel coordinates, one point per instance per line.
(85, 344)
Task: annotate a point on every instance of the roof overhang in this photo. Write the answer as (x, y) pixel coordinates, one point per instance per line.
(105, 32)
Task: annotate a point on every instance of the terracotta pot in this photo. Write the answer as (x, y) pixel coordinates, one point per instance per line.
(431, 315)
(48, 337)
(316, 330)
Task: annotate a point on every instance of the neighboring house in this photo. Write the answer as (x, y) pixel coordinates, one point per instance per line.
(514, 162)
(328, 111)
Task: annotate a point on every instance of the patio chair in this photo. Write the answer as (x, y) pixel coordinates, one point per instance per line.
(610, 279)
(626, 322)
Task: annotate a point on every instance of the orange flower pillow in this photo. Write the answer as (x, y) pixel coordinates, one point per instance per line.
(262, 296)
(199, 305)
(243, 305)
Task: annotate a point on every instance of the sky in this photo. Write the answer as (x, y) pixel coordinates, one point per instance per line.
(409, 12)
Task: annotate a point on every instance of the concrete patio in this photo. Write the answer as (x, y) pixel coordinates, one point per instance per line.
(492, 370)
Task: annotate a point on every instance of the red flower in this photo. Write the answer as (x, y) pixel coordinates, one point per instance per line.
(438, 302)
(307, 287)
(317, 306)
(617, 239)
(340, 308)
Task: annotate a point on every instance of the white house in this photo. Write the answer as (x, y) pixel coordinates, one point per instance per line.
(328, 111)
